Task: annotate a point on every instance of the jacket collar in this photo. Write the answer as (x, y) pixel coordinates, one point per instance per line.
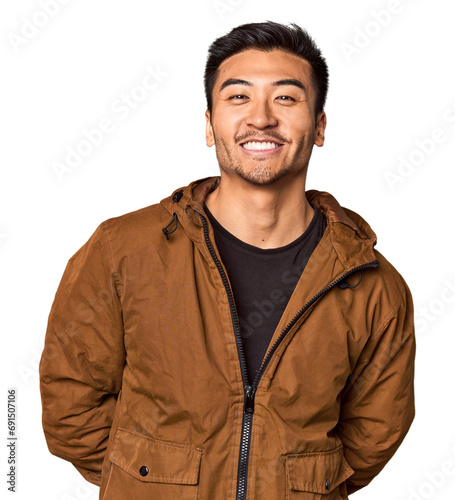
(351, 236)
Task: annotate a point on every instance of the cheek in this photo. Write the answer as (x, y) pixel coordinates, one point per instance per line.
(303, 141)
(299, 127)
(227, 127)
(295, 122)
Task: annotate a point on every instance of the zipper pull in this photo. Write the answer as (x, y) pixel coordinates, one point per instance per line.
(250, 392)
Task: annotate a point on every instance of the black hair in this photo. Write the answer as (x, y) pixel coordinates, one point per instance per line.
(268, 36)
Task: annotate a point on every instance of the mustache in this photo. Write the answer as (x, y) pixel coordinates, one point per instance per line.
(270, 135)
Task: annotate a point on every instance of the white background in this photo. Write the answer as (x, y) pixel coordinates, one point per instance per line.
(389, 89)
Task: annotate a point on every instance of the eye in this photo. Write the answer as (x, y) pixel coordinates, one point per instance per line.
(285, 97)
(240, 96)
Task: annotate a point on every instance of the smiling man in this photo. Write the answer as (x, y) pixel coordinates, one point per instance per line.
(242, 339)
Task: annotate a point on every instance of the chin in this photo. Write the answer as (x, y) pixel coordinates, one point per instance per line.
(262, 176)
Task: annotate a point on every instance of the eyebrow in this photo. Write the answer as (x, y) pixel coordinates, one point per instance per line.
(286, 81)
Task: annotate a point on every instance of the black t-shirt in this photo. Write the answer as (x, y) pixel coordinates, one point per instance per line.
(262, 282)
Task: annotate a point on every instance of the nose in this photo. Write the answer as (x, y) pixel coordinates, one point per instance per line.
(261, 115)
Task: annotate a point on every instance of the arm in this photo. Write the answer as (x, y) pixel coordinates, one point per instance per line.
(377, 405)
(82, 362)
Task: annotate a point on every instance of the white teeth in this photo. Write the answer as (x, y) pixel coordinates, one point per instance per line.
(260, 145)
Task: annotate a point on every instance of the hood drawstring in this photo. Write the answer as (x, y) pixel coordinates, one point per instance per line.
(165, 231)
(175, 199)
(344, 284)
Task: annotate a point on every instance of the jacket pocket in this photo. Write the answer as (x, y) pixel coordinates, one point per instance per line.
(317, 476)
(143, 467)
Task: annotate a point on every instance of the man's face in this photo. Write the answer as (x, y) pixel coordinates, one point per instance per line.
(264, 97)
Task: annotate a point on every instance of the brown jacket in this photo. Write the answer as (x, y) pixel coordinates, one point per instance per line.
(143, 380)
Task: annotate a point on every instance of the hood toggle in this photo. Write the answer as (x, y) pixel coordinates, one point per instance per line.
(173, 221)
(175, 199)
(344, 283)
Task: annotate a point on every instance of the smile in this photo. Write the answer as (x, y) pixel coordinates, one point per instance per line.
(260, 145)
(263, 147)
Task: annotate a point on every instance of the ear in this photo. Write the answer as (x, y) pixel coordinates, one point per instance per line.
(209, 137)
(319, 133)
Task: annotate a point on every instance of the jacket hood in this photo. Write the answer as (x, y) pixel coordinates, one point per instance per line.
(351, 236)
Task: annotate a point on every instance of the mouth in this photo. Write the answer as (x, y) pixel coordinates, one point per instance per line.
(261, 147)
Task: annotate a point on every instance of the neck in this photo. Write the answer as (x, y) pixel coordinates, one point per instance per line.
(268, 216)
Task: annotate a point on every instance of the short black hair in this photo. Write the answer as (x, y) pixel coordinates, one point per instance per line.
(268, 36)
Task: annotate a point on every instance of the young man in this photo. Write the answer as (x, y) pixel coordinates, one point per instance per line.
(261, 348)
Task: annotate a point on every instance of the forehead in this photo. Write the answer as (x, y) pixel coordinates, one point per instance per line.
(253, 64)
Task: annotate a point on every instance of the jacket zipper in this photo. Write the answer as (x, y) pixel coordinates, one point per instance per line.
(250, 390)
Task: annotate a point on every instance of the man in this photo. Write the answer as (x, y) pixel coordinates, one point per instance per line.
(261, 348)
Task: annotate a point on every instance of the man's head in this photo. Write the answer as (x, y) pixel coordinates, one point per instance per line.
(266, 87)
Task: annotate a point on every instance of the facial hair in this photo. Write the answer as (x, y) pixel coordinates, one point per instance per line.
(260, 174)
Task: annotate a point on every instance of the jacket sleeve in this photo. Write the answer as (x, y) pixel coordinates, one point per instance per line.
(377, 406)
(82, 363)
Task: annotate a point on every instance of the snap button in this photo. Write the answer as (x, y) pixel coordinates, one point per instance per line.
(143, 471)
(327, 484)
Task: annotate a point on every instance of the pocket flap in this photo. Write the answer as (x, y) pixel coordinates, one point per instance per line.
(317, 472)
(153, 460)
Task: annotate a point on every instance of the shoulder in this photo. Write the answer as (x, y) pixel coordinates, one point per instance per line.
(132, 228)
(391, 280)
(136, 220)
(386, 294)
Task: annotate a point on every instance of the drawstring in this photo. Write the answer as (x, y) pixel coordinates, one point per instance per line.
(165, 231)
(344, 284)
(175, 199)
